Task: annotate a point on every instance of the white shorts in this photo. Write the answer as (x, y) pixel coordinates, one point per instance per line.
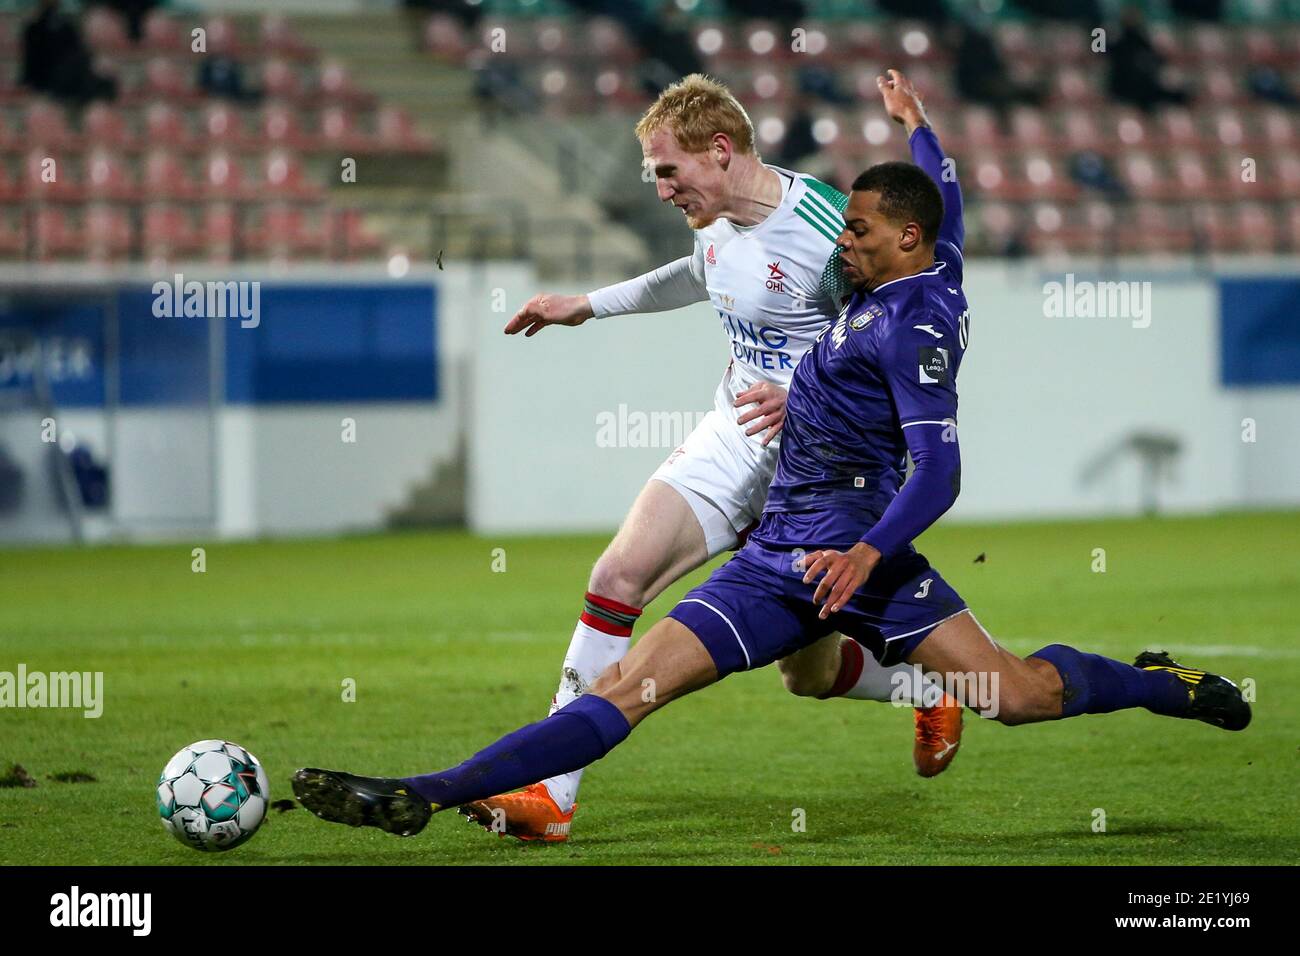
(722, 473)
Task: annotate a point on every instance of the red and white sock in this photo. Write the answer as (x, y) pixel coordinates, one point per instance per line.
(862, 678)
(600, 638)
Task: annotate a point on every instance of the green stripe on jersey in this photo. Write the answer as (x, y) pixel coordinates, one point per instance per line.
(832, 195)
(832, 221)
(815, 223)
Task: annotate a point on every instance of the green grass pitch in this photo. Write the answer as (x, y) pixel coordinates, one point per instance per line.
(448, 654)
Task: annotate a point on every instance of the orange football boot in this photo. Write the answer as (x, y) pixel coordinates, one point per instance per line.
(529, 814)
(938, 735)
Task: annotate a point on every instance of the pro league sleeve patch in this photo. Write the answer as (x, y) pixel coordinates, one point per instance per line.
(933, 362)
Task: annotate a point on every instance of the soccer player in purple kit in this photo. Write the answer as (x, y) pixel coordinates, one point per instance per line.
(833, 551)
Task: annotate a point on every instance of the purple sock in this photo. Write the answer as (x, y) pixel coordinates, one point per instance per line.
(1100, 685)
(579, 733)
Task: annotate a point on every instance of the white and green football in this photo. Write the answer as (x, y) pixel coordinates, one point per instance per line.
(213, 795)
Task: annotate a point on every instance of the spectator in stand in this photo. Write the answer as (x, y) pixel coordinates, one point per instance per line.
(799, 142)
(1080, 11)
(788, 13)
(669, 52)
(134, 12)
(1269, 85)
(981, 74)
(932, 11)
(1136, 65)
(56, 61)
(1198, 9)
(222, 75)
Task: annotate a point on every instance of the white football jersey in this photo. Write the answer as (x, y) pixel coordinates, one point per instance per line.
(775, 284)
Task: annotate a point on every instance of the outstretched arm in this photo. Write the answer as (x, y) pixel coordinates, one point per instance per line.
(904, 106)
(671, 286)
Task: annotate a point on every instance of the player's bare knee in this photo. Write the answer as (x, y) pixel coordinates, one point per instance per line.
(620, 578)
(801, 682)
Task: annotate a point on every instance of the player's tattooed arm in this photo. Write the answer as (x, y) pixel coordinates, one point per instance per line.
(549, 309)
(768, 412)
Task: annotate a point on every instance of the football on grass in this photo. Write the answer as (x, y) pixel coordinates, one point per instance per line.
(212, 795)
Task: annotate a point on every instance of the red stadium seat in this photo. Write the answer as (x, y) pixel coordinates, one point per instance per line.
(105, 125)
(280, 127)
(864, 40)
(104, 31)
(397, 131)
(619, 88)
(1279, 128)
(916, 43)
(445, 38)
(283, 231)
(223, 177)
(1083, 132)
(1074, 87)
(1029, 127)
(280, 79)
(1156, 229)
(223, 37)
(1192, 178)
(47, 126)
(162, 34)
(224, 126)
(999, 222)
(168, 232)
(1218, 85)
(336, 86)
(1066, 44)
(53, 235)
(1229, 129)
(713, 41)
(357, 240)
(279, 37)
(1178, 129)
(1214, 229)
(1144, 176)
(283, 176)
(338, 130)
(1284, 168)
(1212, 44)
(107, 177)
(164, 79)
(1045, 179)
(991, 179)
(107, 233)
(552, 37)
(1257, 228)
(980, 127)
(608, 41)
(1016, 43)
(165, 177)
(1130, 128)
(166, 126)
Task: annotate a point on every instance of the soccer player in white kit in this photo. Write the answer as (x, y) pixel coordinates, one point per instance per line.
(765, 257)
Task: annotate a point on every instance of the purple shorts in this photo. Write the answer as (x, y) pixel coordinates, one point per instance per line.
(755, 609)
